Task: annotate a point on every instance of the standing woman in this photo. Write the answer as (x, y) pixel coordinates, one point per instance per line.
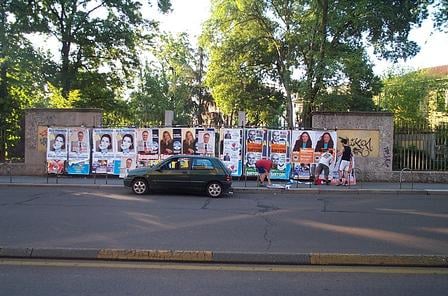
(304, 141)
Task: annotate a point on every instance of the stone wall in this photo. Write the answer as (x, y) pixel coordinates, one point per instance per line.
(370, 136)
(36, 123)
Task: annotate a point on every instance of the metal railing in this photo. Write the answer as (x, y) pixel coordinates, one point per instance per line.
(420, 147)
(412, 177)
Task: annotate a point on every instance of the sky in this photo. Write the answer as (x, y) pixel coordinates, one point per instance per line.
(188, 16)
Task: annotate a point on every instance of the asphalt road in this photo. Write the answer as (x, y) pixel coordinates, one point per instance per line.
(43, 277)
(53, 217)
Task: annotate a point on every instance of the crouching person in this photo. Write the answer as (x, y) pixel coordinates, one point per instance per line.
(326, 159)
(264, 167)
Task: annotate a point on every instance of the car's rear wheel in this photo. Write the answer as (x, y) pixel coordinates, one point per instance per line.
(139, 186)
(214, 189)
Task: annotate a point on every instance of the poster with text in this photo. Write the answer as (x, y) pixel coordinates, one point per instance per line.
(206, 142)
(189, 143)
(126, 147)
(147, 146)
(177, 141)
(79, 151)
(104, 147)
(57, 150)
(255, 149)
(166, 144)
(307, 147)
(278, 152)
(127, 163)
(231, 153)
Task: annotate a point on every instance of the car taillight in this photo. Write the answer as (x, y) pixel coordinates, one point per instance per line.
(228, 178)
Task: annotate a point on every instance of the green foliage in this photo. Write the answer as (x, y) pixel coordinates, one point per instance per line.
(57, 100)
(412, 97)
(441, 15)
(168, 83)
(305, 46)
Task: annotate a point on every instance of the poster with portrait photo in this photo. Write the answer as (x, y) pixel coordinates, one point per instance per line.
(104, 147)
(127, 163)
(166, 143)
(249, 164)
(147, 146)
(189, 141)
(126, 142)
(126, 147)
(205, 139)
(278, 141)
(231, 153)
(79, 151)
(57, 148)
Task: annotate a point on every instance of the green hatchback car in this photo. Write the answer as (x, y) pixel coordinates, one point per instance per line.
(182, 172)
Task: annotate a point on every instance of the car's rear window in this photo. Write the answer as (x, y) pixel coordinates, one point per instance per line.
(202, 164)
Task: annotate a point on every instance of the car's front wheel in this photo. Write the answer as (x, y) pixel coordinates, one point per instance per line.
(214, 189)
(139, 186)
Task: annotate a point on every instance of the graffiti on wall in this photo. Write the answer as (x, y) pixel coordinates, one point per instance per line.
(387, 157)
(42, 135)
(364, 143)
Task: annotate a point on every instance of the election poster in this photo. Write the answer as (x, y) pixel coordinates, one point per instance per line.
(206, 142)
(104, 147)
(127, 163)
(231, 152)
(189, 141)
(278, 152)
(126, 147)
(57, 150)
(307, 148)
(166, 143)
(147, 146)
(79, 151)
(255, 149)
(177, 141)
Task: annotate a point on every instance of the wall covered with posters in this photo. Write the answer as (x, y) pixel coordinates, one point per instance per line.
(370, 133)
(115, 151)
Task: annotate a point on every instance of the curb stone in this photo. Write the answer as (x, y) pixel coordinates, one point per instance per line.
(227, 257)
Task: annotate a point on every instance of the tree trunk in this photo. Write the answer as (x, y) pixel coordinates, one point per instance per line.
(3, 82)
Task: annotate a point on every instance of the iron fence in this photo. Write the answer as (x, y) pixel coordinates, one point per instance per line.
(420, 147)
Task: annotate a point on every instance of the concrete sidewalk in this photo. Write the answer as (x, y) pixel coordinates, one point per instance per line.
(227, 257)
(239, 185)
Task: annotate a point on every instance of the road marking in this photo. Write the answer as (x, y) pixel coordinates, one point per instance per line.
(224, 267)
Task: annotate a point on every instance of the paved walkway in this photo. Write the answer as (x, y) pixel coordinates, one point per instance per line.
(239, 185)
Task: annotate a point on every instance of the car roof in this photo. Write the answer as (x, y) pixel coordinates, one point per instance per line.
(192, 156)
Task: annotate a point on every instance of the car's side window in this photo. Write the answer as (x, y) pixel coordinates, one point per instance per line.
(202, 164)
(177, 164)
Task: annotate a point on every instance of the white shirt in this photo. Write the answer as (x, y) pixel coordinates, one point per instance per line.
(326, 159)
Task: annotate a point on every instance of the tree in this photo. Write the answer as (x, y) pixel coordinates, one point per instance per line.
(169, 82)
(414, 97)
(23, 73)
(299, 45)
(94, 34)
(441, 15)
